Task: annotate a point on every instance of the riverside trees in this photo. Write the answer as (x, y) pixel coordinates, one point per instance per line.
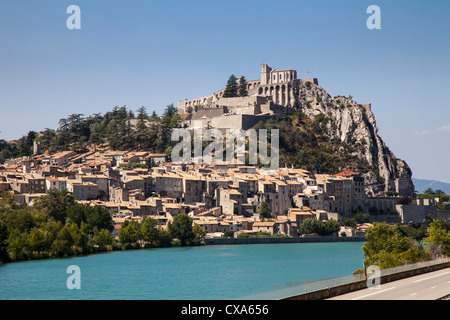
(388, 246)
(55, 227)
(181, 231)
(313, 226)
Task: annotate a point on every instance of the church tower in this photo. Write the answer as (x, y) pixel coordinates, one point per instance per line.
(265, 74)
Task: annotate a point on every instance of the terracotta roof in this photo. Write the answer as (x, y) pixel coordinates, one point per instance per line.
(346, 174)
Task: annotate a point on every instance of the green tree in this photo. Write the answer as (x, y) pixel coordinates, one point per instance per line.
(310, 226)
(360, 217)
(91, 217)
(154, 116)
(242, 87)
(37, 240)
(17, 245)
(231, 90)
(199, 234)
(331, 227)
(149, 231)
(164, 239)
(7, 198)
(4, 256)
(99, 217)
(162, 132)
(101, 239)
(264, 210)
(243, 235)
(62, 246)
(20, 220)
(387, 247)
(181, 228)
(350, 223)
(228, 234)
(438, 239)
(55, 203)
(80, 240)
(142, 113)
(129, 233)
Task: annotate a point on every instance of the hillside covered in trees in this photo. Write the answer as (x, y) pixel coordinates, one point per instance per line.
(119, 129)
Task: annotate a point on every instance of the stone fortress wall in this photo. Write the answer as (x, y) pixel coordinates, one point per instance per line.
(269, 96)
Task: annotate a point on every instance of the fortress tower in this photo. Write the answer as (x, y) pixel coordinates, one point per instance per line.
(265, 74)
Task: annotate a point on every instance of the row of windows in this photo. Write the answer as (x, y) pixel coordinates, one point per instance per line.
(36, 182)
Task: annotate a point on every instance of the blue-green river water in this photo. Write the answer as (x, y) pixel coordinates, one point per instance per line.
(194, 273)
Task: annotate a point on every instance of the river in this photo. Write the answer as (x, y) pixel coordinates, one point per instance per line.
(189, 273)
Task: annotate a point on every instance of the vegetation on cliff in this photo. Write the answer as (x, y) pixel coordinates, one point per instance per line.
(305, 143)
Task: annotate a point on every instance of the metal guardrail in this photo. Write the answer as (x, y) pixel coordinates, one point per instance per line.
(334, 282)
(408, 267)
(305, 288)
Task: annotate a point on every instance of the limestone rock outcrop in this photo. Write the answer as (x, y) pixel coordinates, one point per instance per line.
(354, 123)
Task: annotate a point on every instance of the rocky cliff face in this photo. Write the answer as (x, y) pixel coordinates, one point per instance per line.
(353, 123)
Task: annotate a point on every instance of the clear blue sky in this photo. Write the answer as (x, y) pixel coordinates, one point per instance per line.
(153, 53)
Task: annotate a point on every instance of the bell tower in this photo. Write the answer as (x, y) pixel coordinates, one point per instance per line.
(265, 74)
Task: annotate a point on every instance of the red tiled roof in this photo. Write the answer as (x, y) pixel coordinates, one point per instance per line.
(346, 174)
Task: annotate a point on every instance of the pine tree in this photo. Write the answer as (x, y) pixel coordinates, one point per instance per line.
(231, 89)
(243, 87)
(142, 113)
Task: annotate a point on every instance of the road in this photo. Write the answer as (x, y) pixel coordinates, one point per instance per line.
(427, 286)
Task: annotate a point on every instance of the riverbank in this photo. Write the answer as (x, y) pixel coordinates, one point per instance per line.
(275, 240)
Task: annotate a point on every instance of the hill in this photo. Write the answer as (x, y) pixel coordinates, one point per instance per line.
(423, 184)
(331, 134)
(320, 133)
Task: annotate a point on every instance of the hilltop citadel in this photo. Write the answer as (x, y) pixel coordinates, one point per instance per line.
(267, 97)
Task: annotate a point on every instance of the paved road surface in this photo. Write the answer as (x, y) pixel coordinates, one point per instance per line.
(427, 286)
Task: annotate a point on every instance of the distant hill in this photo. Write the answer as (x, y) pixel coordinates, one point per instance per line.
(422, 184)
